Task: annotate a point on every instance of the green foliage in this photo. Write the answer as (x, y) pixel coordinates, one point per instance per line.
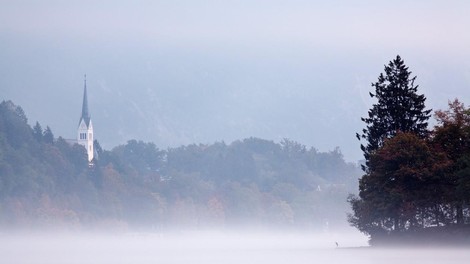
(48, 137)
(398, 108)
(46, 182)
(138, 157)
(257, 180)
(37, 132)
(33, 170)
(13, 124)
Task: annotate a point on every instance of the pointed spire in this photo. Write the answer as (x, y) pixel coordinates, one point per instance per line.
(85, 114)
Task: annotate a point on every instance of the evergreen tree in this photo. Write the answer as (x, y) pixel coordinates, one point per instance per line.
(48, 136)
(97, 148)
(37, 132)
(398, 108)
(397, 157)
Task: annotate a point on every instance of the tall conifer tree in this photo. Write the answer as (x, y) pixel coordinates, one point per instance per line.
(394, 153)
(399, 108)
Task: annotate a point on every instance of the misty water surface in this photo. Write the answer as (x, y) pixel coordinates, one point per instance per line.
(211, 247)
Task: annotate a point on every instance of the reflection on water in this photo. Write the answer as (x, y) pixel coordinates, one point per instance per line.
(211, 248)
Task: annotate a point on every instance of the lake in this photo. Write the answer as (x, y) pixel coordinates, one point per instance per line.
(211, 248)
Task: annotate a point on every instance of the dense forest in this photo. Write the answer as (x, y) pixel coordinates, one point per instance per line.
(46, 182)
(416, 186)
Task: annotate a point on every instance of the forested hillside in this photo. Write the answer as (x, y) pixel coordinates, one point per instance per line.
(46, 182)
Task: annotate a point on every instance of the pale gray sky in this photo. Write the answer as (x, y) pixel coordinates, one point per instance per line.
(179, 72)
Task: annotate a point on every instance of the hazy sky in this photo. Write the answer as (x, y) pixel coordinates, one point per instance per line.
(180, 72)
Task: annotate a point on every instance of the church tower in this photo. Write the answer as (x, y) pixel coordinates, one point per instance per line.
(85, 127)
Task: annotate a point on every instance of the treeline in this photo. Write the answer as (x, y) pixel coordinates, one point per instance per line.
(416, 186)
(46, 182)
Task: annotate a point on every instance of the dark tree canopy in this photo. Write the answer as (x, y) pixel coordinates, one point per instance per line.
(416, 180)
(452, 136)
(418, 189)
(399, 108)
(401, 188)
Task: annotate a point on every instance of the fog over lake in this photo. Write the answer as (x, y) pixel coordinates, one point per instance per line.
(207, 114)
(211, 247)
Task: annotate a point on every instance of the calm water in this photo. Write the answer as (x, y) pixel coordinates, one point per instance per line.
(211, 248)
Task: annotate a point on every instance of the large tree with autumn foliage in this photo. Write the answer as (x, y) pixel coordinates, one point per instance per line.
(452, 136)
(418, 187)
(404, 186)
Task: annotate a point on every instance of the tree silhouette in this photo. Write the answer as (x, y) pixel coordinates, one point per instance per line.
(398, 108)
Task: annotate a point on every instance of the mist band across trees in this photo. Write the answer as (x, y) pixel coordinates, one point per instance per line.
(253, 182)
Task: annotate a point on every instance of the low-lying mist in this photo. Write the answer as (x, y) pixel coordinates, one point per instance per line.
(236, 246)
(171, 247)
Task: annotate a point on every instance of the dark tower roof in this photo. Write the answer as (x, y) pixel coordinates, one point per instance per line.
(85, 114)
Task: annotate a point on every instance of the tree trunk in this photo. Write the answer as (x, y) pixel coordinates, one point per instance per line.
(459, 209)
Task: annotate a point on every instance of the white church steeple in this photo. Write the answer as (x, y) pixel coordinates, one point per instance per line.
(85, 127)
